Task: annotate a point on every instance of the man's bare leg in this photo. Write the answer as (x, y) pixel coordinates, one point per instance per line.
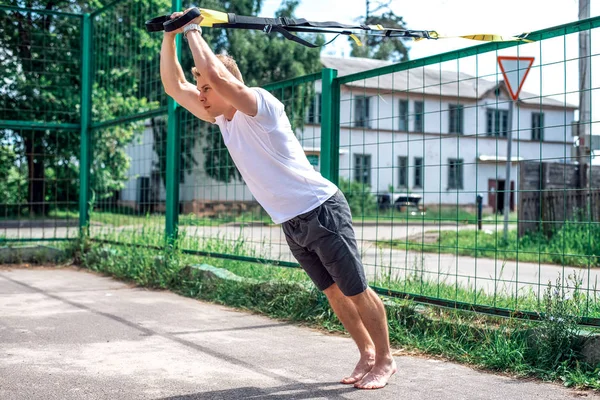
(372, 313)
(347, 313)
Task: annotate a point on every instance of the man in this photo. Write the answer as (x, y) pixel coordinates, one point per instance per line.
(314, 214)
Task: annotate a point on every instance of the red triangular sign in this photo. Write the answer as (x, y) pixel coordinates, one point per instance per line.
(515, 70)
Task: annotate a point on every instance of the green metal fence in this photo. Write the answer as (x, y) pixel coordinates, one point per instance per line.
(39, 129)
(128, 133)
(417, 148)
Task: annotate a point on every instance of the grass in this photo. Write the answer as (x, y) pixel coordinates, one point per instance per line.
(430, 216)
(524, 300)
(575, 244)
(154, 237)
(119, 217)
(52, 214)
(415, 282)
(123, 216)
(119, 220)
(547, 349)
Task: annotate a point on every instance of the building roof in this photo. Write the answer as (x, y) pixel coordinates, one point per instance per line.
(428, 81)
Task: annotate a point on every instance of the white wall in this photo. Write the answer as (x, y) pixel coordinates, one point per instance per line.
(198, 185)
(142, 158)
(385, 144)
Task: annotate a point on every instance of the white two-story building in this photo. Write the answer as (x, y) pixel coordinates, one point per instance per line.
(438, 134)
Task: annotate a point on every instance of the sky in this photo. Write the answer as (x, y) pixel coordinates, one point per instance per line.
(554, 78)
(447, 17)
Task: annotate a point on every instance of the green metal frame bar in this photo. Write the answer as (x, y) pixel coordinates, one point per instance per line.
(543, 34)
(258, 260)
(480, 309)
(86, 115)
(134, 118)
(335, 132)
(45, 12)
(173, 150)
(206, 254)
(40, 126)
(329, 109)
(293, 82)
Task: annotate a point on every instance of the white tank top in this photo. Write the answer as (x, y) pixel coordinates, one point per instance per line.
(272, 161)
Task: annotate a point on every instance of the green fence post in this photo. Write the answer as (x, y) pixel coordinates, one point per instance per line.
(330, 125)
(173, 150)
(86, 111)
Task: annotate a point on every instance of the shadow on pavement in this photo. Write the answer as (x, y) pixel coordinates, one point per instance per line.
(285, 392)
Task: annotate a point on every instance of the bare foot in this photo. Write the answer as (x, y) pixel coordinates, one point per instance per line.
(378, 376)
(364, 365)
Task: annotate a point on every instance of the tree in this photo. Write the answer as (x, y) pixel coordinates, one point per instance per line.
(12, 182)
(381, 48)
(42, 83)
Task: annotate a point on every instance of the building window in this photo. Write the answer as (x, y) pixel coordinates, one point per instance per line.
(537, 126)
(455, 173)
(456, 118)
(314, 110)
(418, 172)
(402, 172)
(419, 110)
(403, 115)
(361, 111)
(362, 168)
(497, 122)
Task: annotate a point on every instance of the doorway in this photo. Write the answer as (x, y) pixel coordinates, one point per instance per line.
(496, 195)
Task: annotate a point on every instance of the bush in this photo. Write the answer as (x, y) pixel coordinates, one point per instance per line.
(362, 202)
(555, 339)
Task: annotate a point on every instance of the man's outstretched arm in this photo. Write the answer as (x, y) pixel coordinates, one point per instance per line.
(218, 76)
(174, 82)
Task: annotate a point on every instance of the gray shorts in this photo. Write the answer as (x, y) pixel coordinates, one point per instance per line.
(323, 242)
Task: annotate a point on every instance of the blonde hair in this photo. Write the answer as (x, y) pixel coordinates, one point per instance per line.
(229, 63)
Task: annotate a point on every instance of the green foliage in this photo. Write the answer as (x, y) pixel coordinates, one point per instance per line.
(555, 338)
(574, 244)
(382, 48)
(13, 185)
(42, 82)
(359, 196)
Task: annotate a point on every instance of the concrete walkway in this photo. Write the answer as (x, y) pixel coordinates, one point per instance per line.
(69, 334)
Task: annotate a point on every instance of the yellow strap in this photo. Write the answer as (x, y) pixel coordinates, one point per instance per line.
(495, 38)
(212, 17)
(483, 37)
(356, 39)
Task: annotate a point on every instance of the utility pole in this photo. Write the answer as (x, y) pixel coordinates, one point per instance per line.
(583, 126)
(507, 191)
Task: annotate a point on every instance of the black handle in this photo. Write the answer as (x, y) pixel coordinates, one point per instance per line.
(156, 24)
(174, 24)
(164, 22)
